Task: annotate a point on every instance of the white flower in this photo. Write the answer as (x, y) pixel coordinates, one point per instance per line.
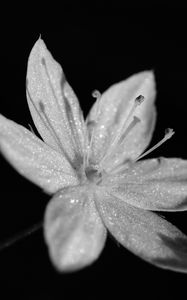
(93, 171)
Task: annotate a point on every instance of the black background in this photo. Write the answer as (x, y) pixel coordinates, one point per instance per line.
(95, 51)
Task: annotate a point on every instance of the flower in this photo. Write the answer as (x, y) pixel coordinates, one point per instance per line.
(93, 168)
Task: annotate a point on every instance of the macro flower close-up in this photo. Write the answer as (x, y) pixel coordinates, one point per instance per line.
(95, 169)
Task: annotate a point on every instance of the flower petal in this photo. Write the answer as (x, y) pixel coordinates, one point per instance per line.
(145, 233)
(33, 159)
(53, 104)
(73, 229)
(154, 184)
(109, 114)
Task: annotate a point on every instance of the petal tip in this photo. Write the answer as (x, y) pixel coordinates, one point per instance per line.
(39, 43)
(146, 78)
(149, 75)
(38, 50)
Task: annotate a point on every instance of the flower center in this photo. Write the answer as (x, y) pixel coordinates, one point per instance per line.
(93, 175)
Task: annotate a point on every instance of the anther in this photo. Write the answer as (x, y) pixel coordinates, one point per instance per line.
(139, 99)
(96, 94)
(168, 133)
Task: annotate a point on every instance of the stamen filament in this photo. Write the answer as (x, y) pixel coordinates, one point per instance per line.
(96, 94)
(131, 125)
(137, 102)
(168, 134)
(122, 133)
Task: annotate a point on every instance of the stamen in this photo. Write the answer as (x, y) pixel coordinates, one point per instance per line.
(87, 156)
(131, 125)
(122, 133)
(139, 99)
(137, 102)
(91, 125)
(96, 94)
(168, 134)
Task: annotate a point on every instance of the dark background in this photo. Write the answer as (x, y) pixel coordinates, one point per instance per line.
(95, 51)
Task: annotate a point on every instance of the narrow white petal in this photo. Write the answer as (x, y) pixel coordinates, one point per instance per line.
(73, 229)
(53, 104)
(145, 233)
(33, 159)
(110, 113)
(154, 184)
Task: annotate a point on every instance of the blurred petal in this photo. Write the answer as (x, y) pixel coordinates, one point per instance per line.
(111, 111)
(33, 159)
(154, 184)
(53, 104)
(73, 229)
(145, 233)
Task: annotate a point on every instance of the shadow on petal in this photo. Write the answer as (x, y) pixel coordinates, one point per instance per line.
(181, 206)
(179, 248)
